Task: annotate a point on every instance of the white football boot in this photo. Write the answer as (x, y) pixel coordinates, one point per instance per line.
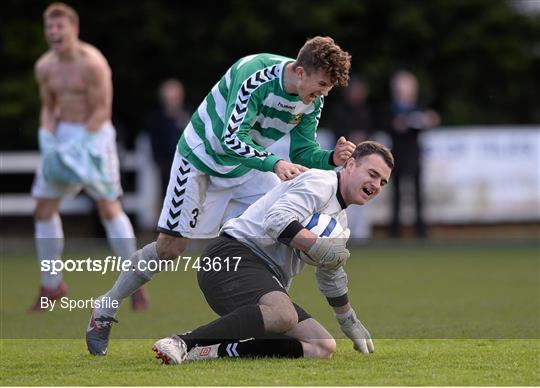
(171, 350)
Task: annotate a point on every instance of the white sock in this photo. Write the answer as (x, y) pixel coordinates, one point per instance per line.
(49, 238)
(120, 235)
(129, 281)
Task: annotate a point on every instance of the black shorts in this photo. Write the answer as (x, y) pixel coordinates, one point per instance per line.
(227, 289)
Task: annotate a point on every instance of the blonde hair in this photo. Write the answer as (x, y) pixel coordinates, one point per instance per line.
(322, 53)
(61, 9)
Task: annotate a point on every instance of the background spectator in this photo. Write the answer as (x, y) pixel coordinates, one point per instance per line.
(166, 125)
(352, 118)
(405, 118)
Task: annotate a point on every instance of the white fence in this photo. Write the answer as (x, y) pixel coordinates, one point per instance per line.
(143, 202)
(471, 175)
(475, 175)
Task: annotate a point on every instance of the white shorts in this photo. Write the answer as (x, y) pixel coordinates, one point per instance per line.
(197, 205)
(106, 185)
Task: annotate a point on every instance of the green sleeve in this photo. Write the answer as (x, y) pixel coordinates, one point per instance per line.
(304, 147)
(242, 108)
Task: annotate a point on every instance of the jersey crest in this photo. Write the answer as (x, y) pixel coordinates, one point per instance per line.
(296, 119)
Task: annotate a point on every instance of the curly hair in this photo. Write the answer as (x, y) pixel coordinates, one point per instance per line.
(321, 53)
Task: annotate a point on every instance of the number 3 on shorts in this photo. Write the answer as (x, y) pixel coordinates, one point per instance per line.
(193, 222)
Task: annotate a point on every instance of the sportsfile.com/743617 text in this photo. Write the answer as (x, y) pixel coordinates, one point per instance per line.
(116, 264)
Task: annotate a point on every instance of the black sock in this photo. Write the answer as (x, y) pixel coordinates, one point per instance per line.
(283, 346)
(244, 322)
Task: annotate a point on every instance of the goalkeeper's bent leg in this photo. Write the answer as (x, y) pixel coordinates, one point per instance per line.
(316, 341)
(278, 345)
(307, 339)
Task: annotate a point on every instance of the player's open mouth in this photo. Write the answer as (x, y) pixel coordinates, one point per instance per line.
(368, 191)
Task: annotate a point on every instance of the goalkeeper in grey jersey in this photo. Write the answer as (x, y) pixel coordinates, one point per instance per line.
(257, 316)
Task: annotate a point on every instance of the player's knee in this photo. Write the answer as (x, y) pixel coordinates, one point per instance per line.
(285, 320)
(326, 347)
(168, 253)
(109, 209)
(322, 348)
(170, 247)
(42, 214)
(279, 314)
(44, 211)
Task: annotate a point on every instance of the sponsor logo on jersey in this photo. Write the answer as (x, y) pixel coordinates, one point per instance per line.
(296, 119)
(205, 351)
(282, 105)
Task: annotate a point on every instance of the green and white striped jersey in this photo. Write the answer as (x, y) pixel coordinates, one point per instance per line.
(245, 112)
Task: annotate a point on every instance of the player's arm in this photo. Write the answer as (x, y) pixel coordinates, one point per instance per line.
(306, 151)
(304, 147)
(333, 285)
(323, 252)
(98, 75)
(305, 196)
(243, 106)
(47, 117)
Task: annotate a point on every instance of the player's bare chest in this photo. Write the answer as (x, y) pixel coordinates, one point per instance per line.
(67, 78)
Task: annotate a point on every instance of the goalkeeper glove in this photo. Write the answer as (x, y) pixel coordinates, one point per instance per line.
(330, 253)
(353, 328)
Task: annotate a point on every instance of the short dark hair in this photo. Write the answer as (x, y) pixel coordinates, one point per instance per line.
(372, 147)
(322, 53)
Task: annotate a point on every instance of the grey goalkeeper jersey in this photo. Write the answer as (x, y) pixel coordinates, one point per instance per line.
(263, 222)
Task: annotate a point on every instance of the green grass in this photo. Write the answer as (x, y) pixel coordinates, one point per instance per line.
(396, 362)
(440, 315)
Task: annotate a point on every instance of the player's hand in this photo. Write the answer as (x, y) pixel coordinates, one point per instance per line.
(287, 170)
(330, 253)
(340, 258)
(353, 328)
(343, 151)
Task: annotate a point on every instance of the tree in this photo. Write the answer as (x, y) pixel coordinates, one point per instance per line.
(477, 59)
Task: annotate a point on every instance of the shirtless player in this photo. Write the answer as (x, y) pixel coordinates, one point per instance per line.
(78, 145)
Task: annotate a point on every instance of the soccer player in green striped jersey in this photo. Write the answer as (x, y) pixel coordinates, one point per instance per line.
(222, 166)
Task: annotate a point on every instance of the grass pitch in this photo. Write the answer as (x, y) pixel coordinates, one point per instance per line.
(396, 362)
(440, 315)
